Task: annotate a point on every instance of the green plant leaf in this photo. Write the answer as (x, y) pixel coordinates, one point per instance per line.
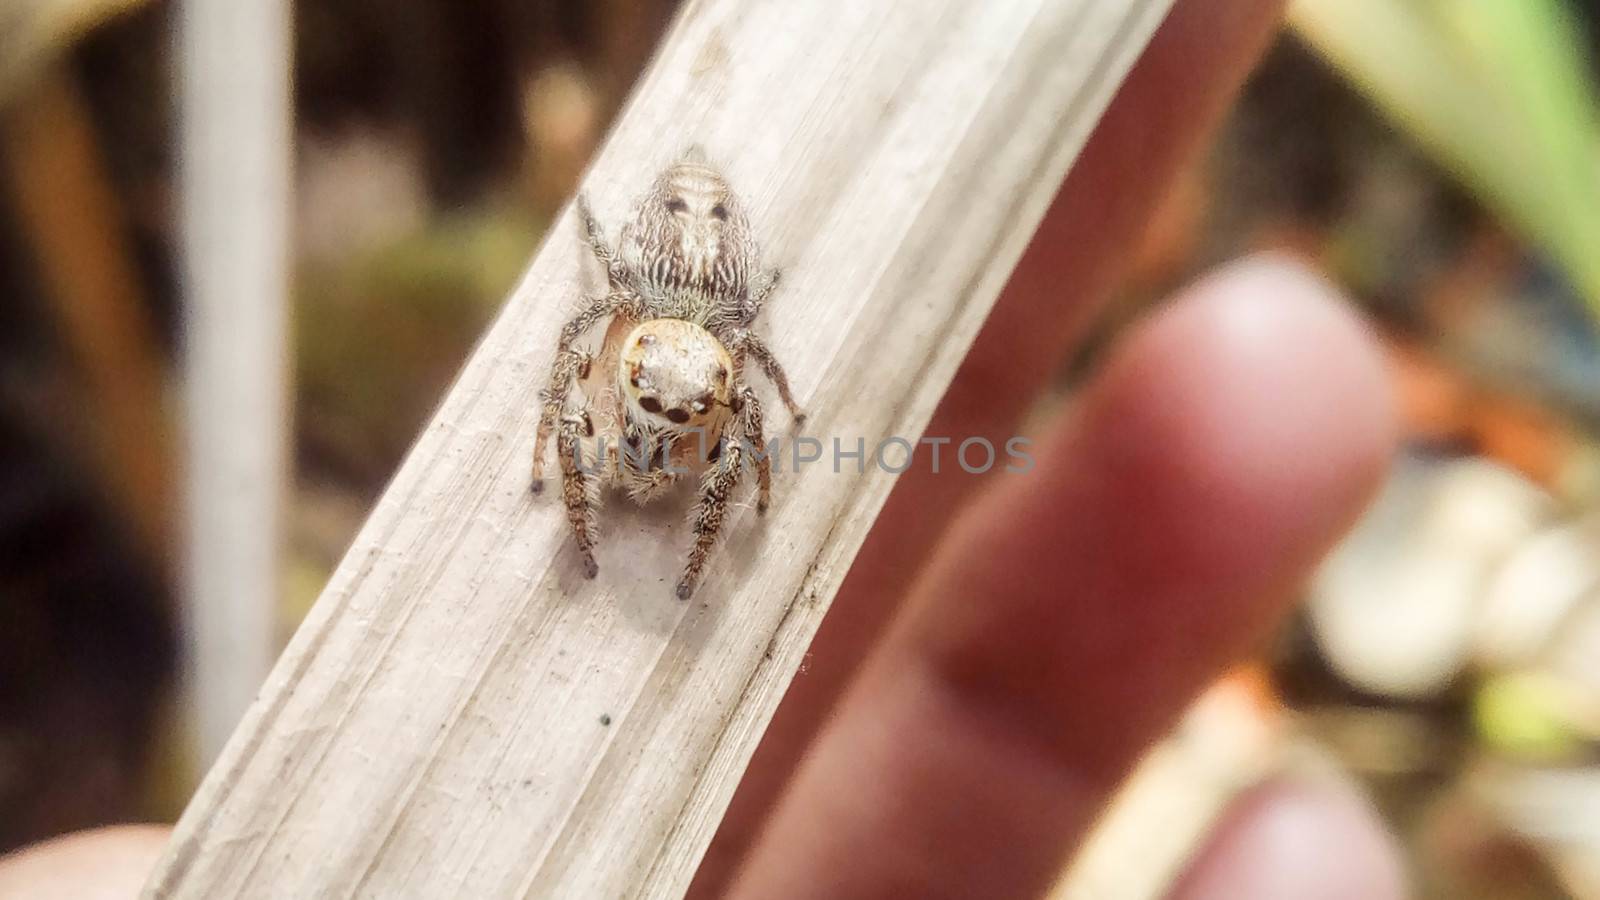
(1500, 92)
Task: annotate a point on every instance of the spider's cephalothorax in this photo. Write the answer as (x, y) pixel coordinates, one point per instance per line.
(674, 383)
(669, 392)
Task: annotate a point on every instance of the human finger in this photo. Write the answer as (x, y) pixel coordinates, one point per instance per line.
(1159, 120)
(1073, 611)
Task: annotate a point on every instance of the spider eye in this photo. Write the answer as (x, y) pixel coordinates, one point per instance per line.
(676, 205)
(702, 403)
(650, 404)
(677, 416)
(634, 378)
(719, 212)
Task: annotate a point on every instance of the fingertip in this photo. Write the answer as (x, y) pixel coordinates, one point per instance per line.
(1229, 441)
(1261, 396)
(1297, 839)
(98, 863)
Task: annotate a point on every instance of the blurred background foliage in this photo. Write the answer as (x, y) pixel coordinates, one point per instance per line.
(1500, 92)
(1439, 158)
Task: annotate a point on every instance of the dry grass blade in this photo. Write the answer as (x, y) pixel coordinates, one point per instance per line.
(463, 714)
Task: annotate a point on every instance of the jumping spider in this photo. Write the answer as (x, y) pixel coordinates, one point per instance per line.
(668, 383)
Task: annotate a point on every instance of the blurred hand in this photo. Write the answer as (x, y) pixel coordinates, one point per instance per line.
(1004, 649)
(100, 864)
(1069, 614)
(1007, 662)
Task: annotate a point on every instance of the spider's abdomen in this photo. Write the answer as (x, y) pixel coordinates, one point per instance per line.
(691, 247)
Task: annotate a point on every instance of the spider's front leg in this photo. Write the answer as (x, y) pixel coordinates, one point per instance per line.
(751, 431)
(716, 486)
(571, 365)
(580, 485)
(747, 342)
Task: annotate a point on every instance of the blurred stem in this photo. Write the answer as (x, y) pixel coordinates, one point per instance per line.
(70, 214)
(235, 130)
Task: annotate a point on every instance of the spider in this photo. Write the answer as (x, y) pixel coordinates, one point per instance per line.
(683, 292)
